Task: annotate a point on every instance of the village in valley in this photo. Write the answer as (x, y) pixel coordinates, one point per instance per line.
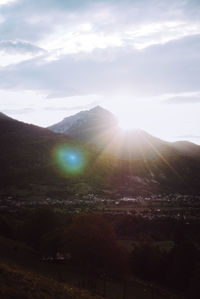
(176, 206)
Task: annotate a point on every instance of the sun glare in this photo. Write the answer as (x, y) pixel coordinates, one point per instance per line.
(126, 122)
(137, 115)
(130, 116)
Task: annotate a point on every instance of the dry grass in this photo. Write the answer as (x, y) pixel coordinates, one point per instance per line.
(20, 284)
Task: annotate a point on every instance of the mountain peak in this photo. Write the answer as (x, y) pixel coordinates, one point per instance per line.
(96, 118)
(3, 116)
(98, 109)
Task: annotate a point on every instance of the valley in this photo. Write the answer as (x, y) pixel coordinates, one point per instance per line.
(127, 213)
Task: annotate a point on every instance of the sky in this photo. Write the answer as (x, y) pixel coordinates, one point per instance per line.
(140, 59)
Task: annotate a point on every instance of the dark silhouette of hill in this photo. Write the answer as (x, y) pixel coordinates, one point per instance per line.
(26, 156)
(28, 162)
(100, 127)
(169, 163)
(20, 282)
(187, 148)
(150, 165)
(3, 116)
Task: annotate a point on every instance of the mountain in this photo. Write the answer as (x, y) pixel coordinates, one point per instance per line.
(31, 166)
(34, 164)
(88, 125)
(100, 127)
(172, 165)
(28, 159)
(187, 148)
(3, 116)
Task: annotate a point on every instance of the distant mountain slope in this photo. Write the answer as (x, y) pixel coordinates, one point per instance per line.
(23, 151)
(29, 167)
(100, 127)
(3, 116)
(173, 165)
(87, 125)
(187, 148)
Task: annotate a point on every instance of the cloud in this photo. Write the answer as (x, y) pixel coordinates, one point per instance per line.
(49, 108)
(13, 52)
(6, 2)
(101, 47)
(66, 92)
(18, 111)
(189, 136)
(156, 70)
(128, 20)
(14, 47)
(75, 108)
(183, 100)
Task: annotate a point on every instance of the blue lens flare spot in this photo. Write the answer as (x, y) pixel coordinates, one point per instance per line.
(70, 160)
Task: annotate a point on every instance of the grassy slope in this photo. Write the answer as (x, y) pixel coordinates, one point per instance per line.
(23, 275)
(18, 283)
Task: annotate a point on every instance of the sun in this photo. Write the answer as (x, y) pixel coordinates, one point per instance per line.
(128, 114)
(126, 122)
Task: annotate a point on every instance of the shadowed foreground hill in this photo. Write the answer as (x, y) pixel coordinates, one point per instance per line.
(18, 283)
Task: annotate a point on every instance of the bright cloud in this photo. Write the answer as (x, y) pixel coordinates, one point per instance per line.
(3, 2)
(13, 52)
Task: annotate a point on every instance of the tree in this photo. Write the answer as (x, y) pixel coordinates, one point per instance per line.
(146, 261)
(41, 222)
(5, 228)
(181, 264)
(52, 243)
(92, 244)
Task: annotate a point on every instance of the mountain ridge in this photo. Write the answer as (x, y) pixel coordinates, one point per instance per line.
(27, 158)
(100, 127)
(67, 123)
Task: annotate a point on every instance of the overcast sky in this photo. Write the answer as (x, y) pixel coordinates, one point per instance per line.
(138, 58)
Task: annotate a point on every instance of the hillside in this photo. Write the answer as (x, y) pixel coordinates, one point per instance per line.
(16, 282)
(28, 158)
(100, 127)
(34, 162)
(96, 119)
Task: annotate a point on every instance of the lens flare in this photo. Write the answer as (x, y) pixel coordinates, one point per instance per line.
(69, 159)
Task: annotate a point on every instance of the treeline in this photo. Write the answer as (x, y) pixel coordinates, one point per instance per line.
(90, 242)
(157, 229)
(85, 241)
(178, 268)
